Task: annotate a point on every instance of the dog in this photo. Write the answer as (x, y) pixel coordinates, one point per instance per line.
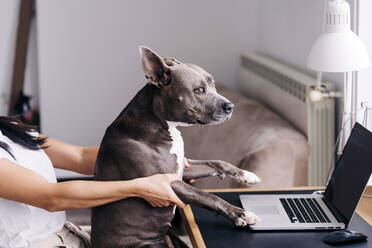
(144, 140)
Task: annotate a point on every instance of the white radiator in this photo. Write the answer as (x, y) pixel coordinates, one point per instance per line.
(285, 90)
(321, 137)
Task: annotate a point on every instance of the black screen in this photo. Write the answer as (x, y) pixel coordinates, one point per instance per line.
(352, 172)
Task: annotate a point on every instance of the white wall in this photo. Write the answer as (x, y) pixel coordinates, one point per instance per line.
(365, 75)
(8, 27)
(288, 28)
(365, 34)
(88, 53)
(88, 50)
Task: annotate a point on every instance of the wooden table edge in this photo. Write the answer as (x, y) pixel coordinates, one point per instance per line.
(193, 229)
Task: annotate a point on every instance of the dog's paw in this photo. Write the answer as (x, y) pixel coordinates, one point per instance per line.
(246, 177)
(246, 218)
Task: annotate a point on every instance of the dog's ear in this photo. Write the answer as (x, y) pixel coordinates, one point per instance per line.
(171, 61)
(155, 69)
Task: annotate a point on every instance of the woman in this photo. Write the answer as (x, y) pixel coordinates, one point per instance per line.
(32, 203)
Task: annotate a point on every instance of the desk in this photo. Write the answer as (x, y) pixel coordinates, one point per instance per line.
(196, 234)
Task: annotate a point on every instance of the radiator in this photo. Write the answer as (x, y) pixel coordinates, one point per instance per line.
(285, 90)
(321, 138)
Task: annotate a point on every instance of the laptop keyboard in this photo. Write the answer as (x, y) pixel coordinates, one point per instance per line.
(304, 210)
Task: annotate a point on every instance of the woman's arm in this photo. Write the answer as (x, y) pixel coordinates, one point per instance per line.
(75, 158)
(23, 185)
(70, 157)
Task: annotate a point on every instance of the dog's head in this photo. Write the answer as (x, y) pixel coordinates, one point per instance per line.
(187, 93)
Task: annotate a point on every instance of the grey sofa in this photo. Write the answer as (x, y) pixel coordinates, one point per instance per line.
(255, 139)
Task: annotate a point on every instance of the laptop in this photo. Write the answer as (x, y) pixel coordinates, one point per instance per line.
(331, 209)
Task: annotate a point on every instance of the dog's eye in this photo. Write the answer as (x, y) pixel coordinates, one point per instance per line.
(199, 90)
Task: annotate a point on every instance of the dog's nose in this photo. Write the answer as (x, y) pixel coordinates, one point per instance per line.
(228, 107)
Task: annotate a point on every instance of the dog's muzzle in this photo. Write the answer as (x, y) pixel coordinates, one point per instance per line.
(227, 108)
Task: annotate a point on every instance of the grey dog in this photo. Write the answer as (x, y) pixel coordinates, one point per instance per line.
(143, 141)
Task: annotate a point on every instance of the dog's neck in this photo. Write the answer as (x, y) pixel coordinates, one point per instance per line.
(149, 127)
(140, 115)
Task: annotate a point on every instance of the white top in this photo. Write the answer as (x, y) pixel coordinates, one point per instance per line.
(22, 224)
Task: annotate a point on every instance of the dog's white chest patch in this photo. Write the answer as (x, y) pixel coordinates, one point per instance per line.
(177, 145)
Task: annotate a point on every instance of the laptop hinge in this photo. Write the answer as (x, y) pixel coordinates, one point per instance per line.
(339, 217)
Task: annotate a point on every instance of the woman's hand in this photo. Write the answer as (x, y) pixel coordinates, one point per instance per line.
(157, 191)
(187, 165)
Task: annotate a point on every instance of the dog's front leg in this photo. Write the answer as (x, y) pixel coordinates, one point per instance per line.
(196, 171)
(204, 168)
(191, 195)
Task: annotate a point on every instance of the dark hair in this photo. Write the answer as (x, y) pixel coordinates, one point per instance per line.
(19, 133)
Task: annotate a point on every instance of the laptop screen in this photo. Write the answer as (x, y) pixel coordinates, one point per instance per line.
(352, 172)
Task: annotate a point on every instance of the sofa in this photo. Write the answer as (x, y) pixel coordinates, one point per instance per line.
(254, 139)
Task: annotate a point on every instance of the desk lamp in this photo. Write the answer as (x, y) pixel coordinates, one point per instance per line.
(339, 49)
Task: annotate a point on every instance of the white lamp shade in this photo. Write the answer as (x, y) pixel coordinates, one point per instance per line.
(338, 52)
